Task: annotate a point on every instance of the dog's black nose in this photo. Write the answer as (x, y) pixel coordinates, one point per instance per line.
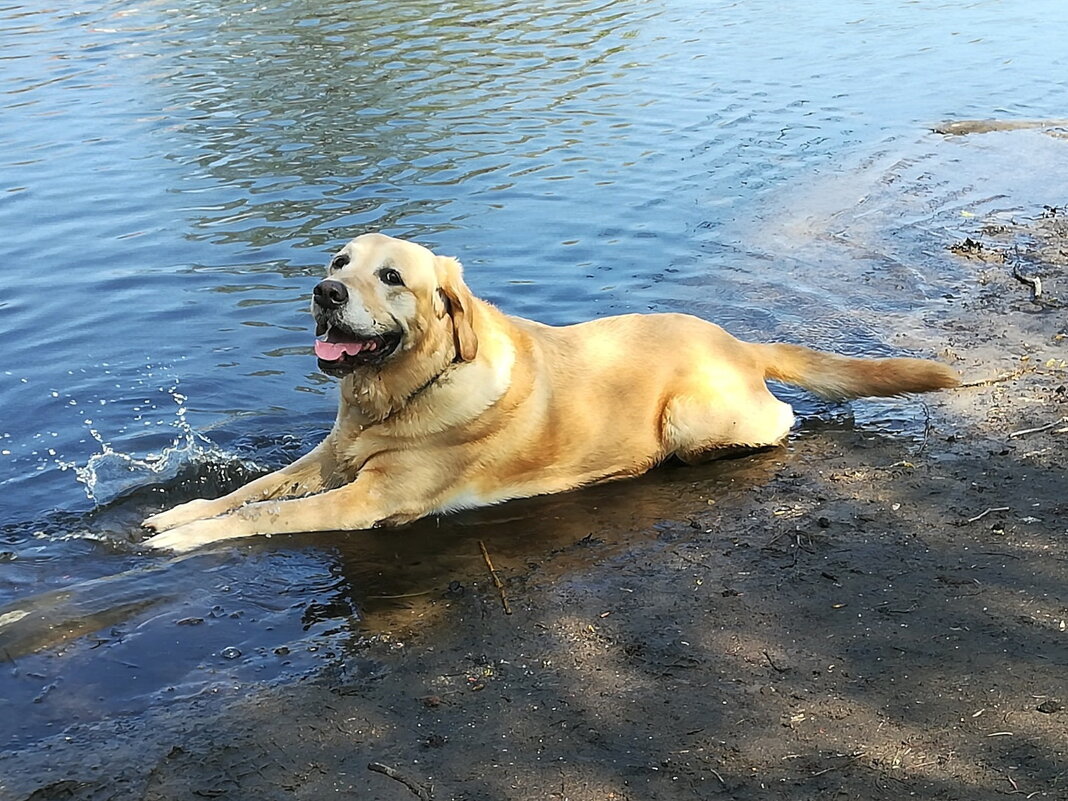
(330, 294)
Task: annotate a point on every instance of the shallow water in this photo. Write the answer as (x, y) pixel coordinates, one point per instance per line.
(173, 176)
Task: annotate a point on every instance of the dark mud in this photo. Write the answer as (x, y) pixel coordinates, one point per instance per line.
(852, 616)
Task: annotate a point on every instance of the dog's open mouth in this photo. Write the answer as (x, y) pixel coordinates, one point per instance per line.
(341, 351)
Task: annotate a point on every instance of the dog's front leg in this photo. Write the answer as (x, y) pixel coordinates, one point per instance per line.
(358, 505)
(308, 474)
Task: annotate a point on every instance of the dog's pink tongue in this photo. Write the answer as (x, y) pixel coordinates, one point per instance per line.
(332, 351)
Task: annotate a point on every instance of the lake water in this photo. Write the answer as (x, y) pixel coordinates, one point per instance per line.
(173, 177)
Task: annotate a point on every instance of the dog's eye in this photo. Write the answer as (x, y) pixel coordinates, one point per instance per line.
(391, 277)
(339, 261)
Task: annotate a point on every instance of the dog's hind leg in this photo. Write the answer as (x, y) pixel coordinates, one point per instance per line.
(705, 426)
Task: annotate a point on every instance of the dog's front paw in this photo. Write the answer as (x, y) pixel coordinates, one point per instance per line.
(192, 535)
(179, 515)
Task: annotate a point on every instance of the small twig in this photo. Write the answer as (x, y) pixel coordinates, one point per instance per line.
(845, 764)
(985, 512)
(984, 382)
(773, 540)
(926, 425)
(420, 791)
(716, 774)
(885, 608)
(1032, 281)
(926, 764)
(772, 663)
(394, 597)
(691, 560)
(1047, 427)
(496, 579)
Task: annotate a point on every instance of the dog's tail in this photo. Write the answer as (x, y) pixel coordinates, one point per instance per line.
(841, 377)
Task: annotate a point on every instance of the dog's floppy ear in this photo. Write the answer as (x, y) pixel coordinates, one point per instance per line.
(459, 305)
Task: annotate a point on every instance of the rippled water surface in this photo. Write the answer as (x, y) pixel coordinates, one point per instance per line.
(174, 175)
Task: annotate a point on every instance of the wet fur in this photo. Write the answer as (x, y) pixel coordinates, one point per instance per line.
(478, 407)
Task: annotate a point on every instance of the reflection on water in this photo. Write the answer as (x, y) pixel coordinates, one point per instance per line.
(172, 176)
(208, 624)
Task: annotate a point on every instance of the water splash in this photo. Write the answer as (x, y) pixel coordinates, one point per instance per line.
(111, 474)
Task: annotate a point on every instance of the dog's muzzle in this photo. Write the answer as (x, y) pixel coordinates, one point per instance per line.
(339, 348)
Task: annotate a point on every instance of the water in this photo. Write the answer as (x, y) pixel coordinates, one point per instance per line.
(173, 177)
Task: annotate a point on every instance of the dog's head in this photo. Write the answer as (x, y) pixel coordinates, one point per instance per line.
(383, 298)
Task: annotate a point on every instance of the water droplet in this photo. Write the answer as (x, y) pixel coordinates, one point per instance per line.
(229, 652)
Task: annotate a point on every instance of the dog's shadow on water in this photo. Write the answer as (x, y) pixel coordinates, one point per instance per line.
(399, 577)
(396, 577)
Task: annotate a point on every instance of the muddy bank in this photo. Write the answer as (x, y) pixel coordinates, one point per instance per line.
(855, 615)
(966, 127)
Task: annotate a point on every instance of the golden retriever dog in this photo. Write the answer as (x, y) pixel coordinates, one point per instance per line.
(447, 403)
